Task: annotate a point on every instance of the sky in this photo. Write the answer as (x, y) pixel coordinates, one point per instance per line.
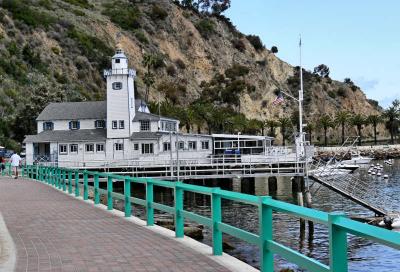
(359, 39)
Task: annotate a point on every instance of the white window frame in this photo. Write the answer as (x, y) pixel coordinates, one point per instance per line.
(166, 146)
(203, 143)
(147, 148)
(145, 125)
(116, 85)
(180, 145)
(48, 126)
(114, 124)
(87, 146)
(72, 151)
(99, 124)
(135, 146)
(74, 125)
(97, 148)
(121, 124)
(192, 145)
(119, 147)
(61, 146)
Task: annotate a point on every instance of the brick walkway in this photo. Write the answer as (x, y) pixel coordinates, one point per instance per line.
(54, 232)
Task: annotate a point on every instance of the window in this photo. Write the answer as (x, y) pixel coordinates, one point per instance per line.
(48, 126)
(192, 145)
(136, 147)
(99, 124)
(121, 124)
(114, 124)
(63, 149)
(181, 145)
(74, 125)
(147, 149)
(167, 146)
(119, 147)
(117, 85)
(99, 147)
(205, 145)
(73, 148)
(117, 60)
(89, 147)
(144, 125)
(168, 126)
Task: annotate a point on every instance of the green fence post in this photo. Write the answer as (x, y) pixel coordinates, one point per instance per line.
(69, 181)
(85, 186)
(109, 193)
(59, 178)
(77, 193)
(216, 214)
(337, 244)
(96, 189)
(265, 232)
(9, 170)
(149, 203)
(179, 220)
(64, 172)
(48, 175)
(53, 177)
(127, 193)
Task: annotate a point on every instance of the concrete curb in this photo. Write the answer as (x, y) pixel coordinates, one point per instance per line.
(226, 260)
(8, 255)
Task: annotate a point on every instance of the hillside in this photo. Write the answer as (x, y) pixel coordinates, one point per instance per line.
(56, 51)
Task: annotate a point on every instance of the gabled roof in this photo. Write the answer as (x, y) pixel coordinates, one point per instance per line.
(74, 111)
(79, 135)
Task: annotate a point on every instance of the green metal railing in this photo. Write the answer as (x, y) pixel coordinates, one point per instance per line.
(7, 171)
(338, 225)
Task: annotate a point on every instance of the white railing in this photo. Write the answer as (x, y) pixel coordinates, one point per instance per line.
(122, 71)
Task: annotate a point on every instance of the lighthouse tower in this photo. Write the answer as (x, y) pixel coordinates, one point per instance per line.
(120, 96)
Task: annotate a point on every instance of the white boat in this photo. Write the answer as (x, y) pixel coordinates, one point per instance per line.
(358, 159)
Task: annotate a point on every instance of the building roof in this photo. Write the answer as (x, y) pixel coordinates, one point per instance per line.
(79, 135)
(146, 135)
(74, 111)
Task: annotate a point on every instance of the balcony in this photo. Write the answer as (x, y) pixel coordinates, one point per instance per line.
(124, 71)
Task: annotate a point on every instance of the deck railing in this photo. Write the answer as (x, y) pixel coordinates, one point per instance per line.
(338, 225)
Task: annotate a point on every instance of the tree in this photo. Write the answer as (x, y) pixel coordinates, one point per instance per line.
(149, 61)
(358, 121)
(309, 129)
(322, 70)
(392, 115)
(374, 120)
(342, 118)
(274, 49)
(284, 123)
(208, 6)
(271, 124)
(348, 81)
(325, 122)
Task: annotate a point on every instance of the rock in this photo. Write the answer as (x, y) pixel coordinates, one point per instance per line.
(194, 232)
(227, 246)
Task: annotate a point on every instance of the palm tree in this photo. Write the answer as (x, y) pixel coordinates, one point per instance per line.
(284, 123)
(325, 122)
(392, 115)
(374, 120)
(309, 129)
(271, 124)
(148, 78)
(358, 121)
(342, 117)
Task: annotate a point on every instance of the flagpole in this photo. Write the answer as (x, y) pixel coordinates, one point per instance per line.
(301, 100)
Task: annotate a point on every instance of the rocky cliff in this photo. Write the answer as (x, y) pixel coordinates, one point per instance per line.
(56, 50)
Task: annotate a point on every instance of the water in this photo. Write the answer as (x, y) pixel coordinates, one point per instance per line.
(363, 254)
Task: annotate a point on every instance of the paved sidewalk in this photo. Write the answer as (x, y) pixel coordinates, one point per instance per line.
(55, 232)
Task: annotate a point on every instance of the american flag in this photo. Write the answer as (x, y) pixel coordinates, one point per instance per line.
(278, 99)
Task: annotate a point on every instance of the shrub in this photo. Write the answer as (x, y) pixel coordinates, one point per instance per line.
(158, 13)
(78, 12)
(373, 103)
(126, 15)
(141, 36)
(56, 50)
(158, 61)
(23, 12)
(61, 78)
(181, 65)
(348, 81)
(255, 42)
(354, 88)
(80, 3)
(332, 94)
(342, 92)
(205, 27)
(12, 48)
(274, 49)
(236, 70)
(171, 70)
(239, 45)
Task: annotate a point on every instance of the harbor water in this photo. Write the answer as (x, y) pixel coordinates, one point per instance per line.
(363, 254)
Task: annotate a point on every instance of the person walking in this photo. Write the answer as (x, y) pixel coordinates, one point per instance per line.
(15, 162)
(2, 165)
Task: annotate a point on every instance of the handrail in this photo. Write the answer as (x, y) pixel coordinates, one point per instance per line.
(339, 226)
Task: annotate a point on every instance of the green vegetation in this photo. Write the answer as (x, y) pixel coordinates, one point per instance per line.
(274, 49)
(255, 42)
(126, 15)
(80, 3)
(239, 45)
(215, 7)
(322, 70)
(22, 11)
(158, 13)
(141, 36)
(342, 92)
(205, 27)
(332, 94)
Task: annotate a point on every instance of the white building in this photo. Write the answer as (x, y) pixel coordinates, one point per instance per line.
(120, 128)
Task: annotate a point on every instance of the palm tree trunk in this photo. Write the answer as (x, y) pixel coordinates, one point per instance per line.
(310, 132)
(342, 133)
(283, 136)
(375, 134)
(359, 135)
(325, 137)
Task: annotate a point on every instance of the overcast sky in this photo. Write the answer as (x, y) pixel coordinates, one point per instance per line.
(359, 39)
